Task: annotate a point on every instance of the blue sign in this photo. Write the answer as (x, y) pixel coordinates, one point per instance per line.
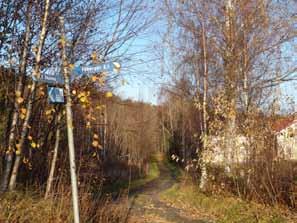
(55, 95)
(90, 70)
(52, 79)
(77, 73)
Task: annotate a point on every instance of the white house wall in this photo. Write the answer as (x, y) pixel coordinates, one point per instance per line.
(287, 142)
(219, 153)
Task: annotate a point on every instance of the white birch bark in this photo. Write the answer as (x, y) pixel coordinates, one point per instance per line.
(204, 175)
(36, 72)
(50, 179)
(15, 116)
(75, 200)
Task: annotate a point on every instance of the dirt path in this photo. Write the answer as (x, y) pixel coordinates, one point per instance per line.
(147, 207)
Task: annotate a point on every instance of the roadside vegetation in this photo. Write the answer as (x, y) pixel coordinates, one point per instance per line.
(224, 208)
(222, 134)
(131, 185)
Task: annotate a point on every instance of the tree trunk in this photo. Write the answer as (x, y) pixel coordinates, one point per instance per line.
(36, 73)
(75, 200)
(54, 160)
(11, 138)
(231, 82)
(204, 175)
(105, 133)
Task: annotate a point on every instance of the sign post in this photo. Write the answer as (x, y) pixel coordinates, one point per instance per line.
(56, 96)
(75, 200)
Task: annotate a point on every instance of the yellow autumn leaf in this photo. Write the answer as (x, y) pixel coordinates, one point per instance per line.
(94, 154)
(33, 145)
(41, 93)
(83, 99)
(25, 160)
(22, 116)
(95, 143)
(62, 41)
(20, 100)
(48, 112)
(82, 94)
(18, 152)
(101, 82)
(94, 56)
(49, 117)
(18, 93)
(34, 49)
(108, 94)
(117, 67)
(71, 66)
(23, 110)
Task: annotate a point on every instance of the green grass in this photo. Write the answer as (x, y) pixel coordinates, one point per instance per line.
(153, 173)
(224, 209)
(176, 171)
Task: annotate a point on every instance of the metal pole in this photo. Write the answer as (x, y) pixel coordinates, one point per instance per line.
(74, 189)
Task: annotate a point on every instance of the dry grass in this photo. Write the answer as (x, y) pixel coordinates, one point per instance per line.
(225, 209)
(27, 207)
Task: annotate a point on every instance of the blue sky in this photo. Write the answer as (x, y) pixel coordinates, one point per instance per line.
(143, 73)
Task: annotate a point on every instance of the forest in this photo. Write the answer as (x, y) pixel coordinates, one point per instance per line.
(215, 140)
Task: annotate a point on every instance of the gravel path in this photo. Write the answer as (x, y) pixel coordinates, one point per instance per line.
(147, 207)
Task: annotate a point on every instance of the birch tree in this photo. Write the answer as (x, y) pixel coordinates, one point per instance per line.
(242, 38)
(36, 74)
(50, 180)
(18, 101)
